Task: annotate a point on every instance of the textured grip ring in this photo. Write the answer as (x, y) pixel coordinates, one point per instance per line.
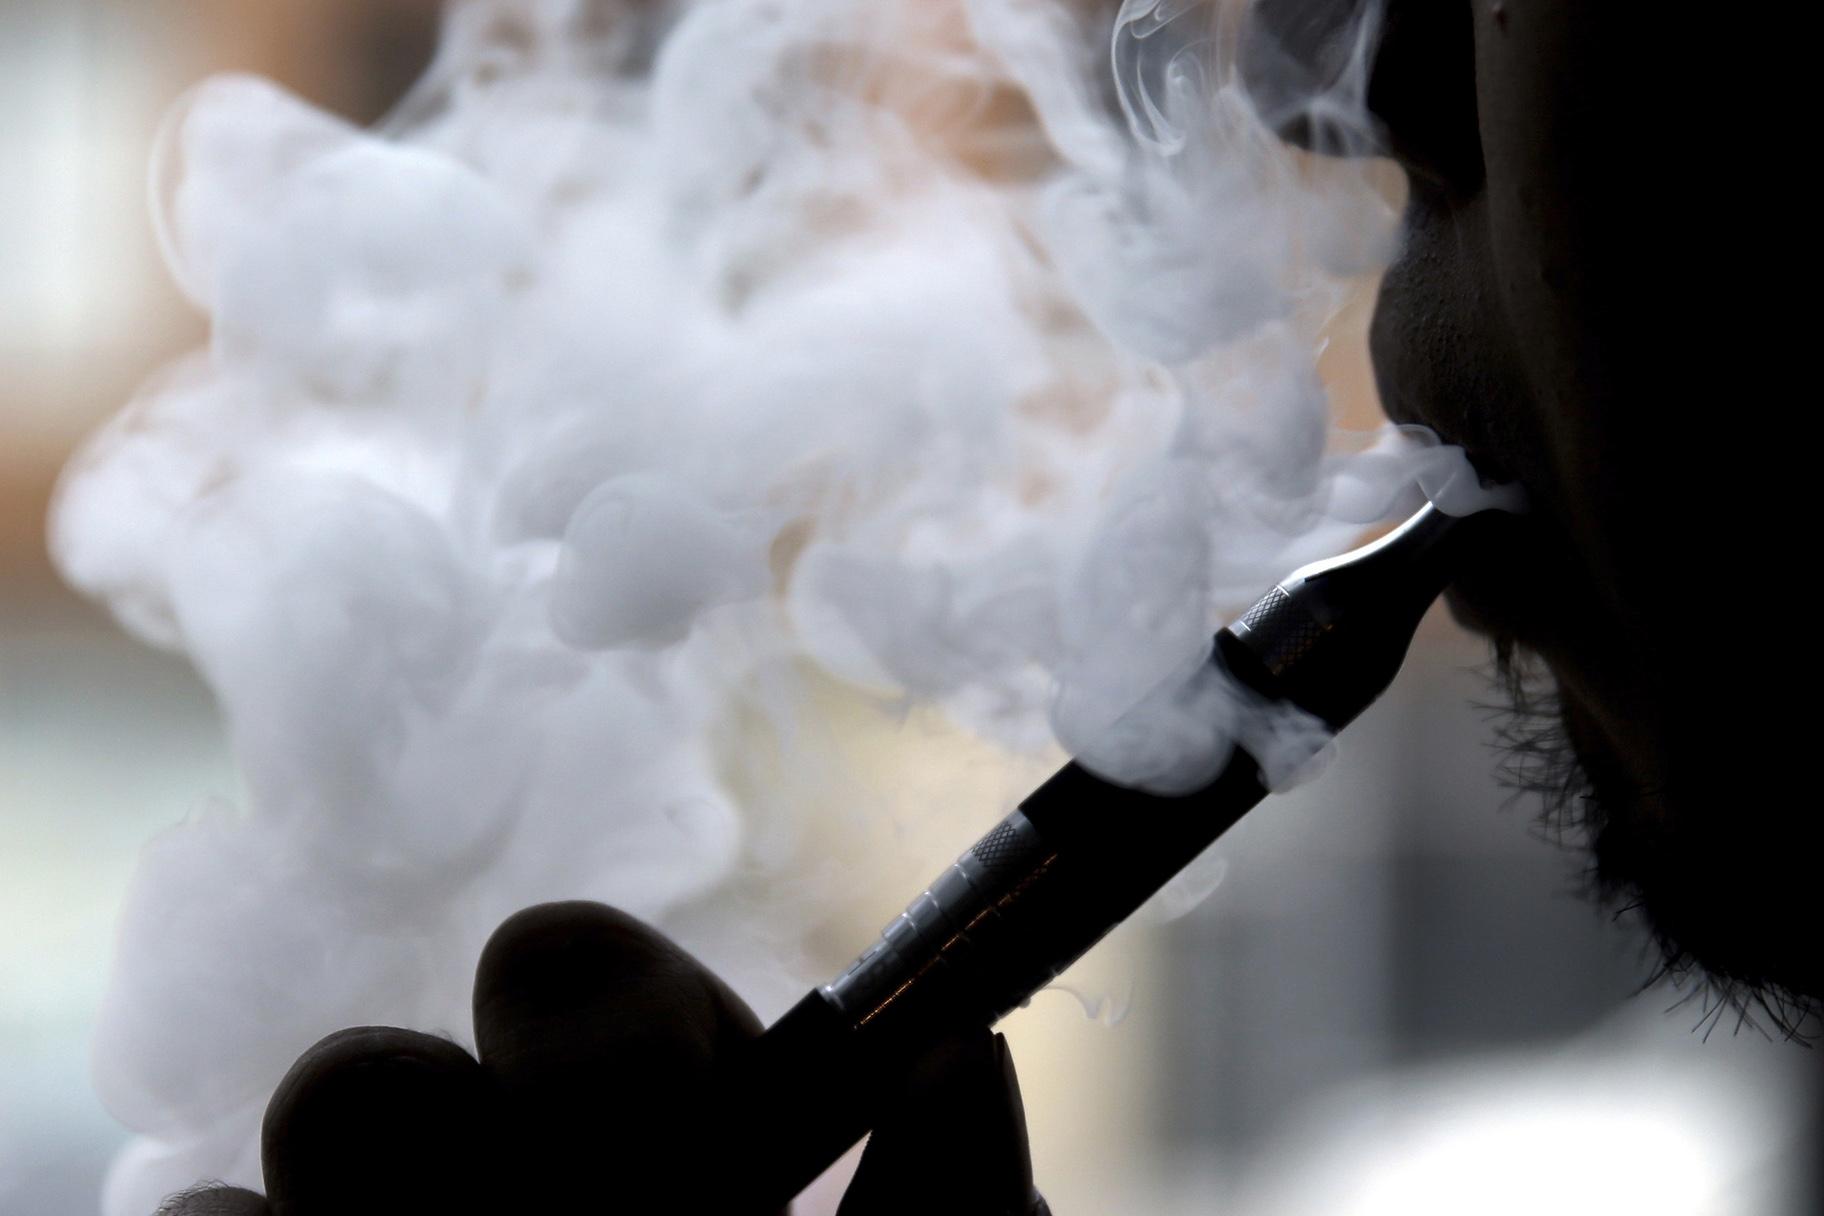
(937, 926)
(1279, 631)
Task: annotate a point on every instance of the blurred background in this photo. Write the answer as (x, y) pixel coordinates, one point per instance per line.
(1394, 1002)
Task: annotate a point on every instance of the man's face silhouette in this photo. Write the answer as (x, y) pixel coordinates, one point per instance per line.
(1586, 299)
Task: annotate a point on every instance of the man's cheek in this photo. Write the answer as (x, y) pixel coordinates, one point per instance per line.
(1444, 355)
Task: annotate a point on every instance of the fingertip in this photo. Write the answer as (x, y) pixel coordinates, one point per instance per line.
(214, 1199)
(1014, 1101)
(567, 986)
(953, 1139)
(382, 1120)
(603, 1036)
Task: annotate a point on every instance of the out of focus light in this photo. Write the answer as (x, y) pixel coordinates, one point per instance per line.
(1545, 1155)
(72, 204)
(1571, 1134)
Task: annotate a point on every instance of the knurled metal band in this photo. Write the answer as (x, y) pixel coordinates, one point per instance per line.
(1279, 631)
(939, 921)
(1004, 847)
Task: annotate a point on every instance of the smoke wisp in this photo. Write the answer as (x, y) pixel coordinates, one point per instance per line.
(653, 372)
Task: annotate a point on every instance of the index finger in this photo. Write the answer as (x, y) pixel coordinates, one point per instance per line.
(603, 1036)
(214, 1199)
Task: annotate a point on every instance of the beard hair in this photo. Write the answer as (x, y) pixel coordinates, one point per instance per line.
(1540, 765)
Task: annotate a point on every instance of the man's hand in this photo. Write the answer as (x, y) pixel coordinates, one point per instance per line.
(599, 1042)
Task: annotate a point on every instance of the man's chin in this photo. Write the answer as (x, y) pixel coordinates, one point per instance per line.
(1722, 878)
(1721, 925)
(1724, 882)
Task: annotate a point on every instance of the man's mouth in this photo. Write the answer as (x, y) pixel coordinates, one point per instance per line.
(1502, 591)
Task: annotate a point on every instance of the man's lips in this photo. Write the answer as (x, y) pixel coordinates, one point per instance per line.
(1482, 450)
(1496, 592)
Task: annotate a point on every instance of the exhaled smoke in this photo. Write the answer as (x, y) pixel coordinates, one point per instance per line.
(653, 365)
